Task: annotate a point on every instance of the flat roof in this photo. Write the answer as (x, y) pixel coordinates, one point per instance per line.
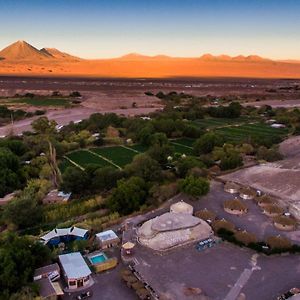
(106, 235)
(74, 265)
(46, 270)
(46, 288)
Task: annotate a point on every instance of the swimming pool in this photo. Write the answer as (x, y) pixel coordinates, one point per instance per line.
(98, 259)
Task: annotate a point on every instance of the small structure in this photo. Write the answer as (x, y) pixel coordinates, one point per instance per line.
(264, 200)
(107, 239)
(45, 278)
(272, 210)
(76, 272)
(51, 271)
(182, 207)
(64, 235)
(235, 207)
(231, 187)
(128, 248)
(285, 223)
(56, 196)
(247, 193)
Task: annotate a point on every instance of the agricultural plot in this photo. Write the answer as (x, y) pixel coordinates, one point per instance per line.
(183, 146)
(242, 133)
(139, 148)
(221, 122)
(119, 155)
(84, 158)
(185, 142)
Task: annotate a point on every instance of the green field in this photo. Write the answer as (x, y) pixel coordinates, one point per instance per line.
(138, 147)
(221, 122)
(185, 142)
(84, 158)
(242, 133)
(118, 155)
(41, 101)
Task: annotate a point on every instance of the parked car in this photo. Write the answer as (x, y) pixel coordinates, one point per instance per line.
(84, 295)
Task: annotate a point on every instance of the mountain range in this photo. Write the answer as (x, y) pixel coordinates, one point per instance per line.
(21, 58)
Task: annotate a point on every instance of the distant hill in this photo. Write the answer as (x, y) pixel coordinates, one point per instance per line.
(21, 58)
(21, 50)
(55, 53)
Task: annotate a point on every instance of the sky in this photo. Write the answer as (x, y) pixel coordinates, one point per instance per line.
(184, 28)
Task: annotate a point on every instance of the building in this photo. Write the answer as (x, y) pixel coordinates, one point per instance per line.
(172, 230)
(51, 271)
(231, 187)
(75, 270)
(56, 196)
(182, 207)
(128, 248)
(247, 193)
(107, 239)
(45, 278)
(64, 235)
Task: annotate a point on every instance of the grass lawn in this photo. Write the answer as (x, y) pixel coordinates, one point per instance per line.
(117, 154)
(182, 149)
(138, 147)
(84, 158)
(41, 101)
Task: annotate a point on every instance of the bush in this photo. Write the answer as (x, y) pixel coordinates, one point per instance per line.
(194, 186)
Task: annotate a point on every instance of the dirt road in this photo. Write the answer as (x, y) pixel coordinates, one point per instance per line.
(65, 116)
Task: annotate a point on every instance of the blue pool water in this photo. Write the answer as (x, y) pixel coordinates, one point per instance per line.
(100, 258)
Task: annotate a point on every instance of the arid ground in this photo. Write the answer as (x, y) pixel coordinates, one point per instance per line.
(120, 95)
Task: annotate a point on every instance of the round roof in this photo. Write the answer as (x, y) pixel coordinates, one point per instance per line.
(181, 207)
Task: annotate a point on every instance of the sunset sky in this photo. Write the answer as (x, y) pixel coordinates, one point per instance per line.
(110, 28)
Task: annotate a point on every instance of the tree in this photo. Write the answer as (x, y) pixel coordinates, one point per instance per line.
(105, 178)
(184, 165)
(194, 186)
(145, 167)
(128, 196)
(75, 180)
(23, 211)
(161, 153)
(44, 126)
(206, 143)
(268, 154)
(19, 256)
(11, 176)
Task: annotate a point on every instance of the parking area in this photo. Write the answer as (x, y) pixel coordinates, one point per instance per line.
(222, 272)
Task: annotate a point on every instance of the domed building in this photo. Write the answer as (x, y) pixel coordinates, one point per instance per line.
(181, 207)
(173, 229)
